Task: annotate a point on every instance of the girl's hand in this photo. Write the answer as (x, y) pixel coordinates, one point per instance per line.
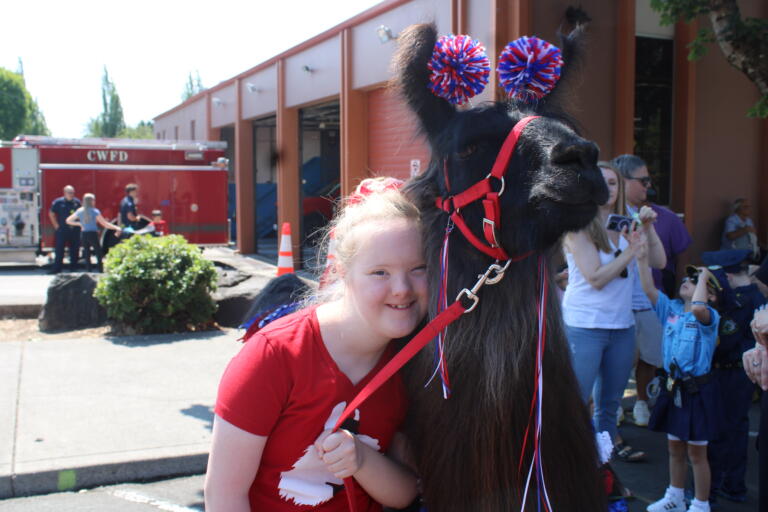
(647, 217)
(341, 452)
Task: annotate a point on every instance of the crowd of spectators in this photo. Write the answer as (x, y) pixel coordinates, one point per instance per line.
(695, 357)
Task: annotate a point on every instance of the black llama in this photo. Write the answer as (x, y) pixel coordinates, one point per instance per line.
(467, 448)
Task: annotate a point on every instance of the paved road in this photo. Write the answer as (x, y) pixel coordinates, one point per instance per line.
(647, 480)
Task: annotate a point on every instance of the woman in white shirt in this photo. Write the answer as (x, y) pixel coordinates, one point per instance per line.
(597, 305)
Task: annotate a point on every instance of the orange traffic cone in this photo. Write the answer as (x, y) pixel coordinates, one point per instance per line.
(330, 262)
(285, 254)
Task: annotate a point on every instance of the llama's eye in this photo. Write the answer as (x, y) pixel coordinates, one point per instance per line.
(468, 151)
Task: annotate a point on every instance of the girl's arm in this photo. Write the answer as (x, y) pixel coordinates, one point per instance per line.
(699, 300)
(587, 258)
(74, 220)
(232, 465)
(646, 279)
(387, 481)
(106, 224)
(657, 257)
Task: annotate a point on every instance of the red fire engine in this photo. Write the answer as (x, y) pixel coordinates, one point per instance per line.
(186, 181)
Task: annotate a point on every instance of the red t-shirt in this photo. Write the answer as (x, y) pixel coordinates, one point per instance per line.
(283, 384)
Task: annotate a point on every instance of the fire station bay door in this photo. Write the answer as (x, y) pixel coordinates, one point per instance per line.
(19, 218)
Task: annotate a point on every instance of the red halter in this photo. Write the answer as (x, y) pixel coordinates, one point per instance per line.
(483, 191)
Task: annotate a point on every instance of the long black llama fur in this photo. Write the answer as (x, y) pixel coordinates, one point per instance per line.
(468, 446)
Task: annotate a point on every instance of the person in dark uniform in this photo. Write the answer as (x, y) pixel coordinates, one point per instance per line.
(728, 452)
(61, 208)
(128, 214)
(755, 363)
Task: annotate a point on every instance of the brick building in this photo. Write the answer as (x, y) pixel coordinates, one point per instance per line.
(309, 123)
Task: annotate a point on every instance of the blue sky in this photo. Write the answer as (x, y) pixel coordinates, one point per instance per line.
(149, 48)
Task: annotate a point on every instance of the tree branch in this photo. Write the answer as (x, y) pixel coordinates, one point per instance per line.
(743, 49)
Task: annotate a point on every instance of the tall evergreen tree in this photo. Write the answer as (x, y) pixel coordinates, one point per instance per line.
(193, 86)
(111, 121)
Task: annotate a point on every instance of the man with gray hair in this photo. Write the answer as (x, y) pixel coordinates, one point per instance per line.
(675, 239)
(61, 208)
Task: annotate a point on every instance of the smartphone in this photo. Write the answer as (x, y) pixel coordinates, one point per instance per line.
(618, 223)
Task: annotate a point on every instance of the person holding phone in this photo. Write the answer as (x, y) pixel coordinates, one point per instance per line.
(597, 305)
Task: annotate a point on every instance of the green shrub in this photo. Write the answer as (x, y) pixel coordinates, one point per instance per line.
(157, 284)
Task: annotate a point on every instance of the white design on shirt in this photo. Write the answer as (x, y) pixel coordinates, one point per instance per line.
(310, 482)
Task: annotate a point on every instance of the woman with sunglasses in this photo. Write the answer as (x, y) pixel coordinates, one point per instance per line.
(597, 305)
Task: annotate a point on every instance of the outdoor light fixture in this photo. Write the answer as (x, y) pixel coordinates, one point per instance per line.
(307, 69)
(385, 34)
(217, 101)
(252, 87)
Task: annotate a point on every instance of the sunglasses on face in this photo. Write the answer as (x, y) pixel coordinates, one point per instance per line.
(644, 181)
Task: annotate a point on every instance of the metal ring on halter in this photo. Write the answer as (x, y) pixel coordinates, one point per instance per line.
(501, 190)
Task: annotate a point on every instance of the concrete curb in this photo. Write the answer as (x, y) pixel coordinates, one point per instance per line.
(74, 479)
(20, 310)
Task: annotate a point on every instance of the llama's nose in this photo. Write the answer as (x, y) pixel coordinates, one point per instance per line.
(579, 154)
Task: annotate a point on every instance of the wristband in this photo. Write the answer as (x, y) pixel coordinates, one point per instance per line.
(698, 303)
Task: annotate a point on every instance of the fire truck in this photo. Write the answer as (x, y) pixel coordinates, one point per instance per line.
(186, 181)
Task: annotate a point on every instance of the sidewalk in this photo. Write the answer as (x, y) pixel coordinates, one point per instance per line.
(23, 292)
(97, 411)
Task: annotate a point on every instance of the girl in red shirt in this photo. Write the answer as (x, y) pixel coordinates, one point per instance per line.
(272, 446)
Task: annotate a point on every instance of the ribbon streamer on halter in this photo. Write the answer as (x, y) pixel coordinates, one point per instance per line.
(535, 414)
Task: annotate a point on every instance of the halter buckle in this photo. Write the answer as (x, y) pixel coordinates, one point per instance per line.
(492, 225)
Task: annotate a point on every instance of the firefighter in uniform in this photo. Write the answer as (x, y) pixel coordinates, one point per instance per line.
(61, 208)
(728, 453)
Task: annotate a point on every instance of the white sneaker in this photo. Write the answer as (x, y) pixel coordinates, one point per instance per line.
(619, 416)
(641, 413)
(667, 504)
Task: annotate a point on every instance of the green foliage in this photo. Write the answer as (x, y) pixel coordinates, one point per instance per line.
(158, 284)
(143, 130)
(760, 109)
(193, 86)
(13, 104)
(110, 122)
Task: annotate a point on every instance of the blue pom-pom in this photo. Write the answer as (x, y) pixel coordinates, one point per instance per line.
(529, 68)
(459, 68)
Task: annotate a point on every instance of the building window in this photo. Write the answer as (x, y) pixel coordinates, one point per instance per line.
(176, 133)
(192, 130)
(653, 111)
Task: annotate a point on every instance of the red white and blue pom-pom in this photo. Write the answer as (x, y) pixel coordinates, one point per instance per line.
(529, 68)
(459, 68)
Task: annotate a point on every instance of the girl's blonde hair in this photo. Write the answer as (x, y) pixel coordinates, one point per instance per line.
(596, 228)
(342, 236)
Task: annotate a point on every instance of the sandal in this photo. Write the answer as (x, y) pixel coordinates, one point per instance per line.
(629, 454)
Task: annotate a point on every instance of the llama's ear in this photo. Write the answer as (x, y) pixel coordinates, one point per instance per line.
(410, 65)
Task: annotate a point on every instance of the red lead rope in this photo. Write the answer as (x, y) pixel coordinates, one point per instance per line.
(424, 336)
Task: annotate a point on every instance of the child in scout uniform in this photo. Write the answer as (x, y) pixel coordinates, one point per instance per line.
(688, 406)
(728, 452)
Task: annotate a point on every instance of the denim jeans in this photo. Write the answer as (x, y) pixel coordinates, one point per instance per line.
(602, 361)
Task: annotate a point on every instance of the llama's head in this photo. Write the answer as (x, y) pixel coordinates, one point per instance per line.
(552, 182)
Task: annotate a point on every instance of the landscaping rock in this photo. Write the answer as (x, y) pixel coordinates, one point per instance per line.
(70, 304)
